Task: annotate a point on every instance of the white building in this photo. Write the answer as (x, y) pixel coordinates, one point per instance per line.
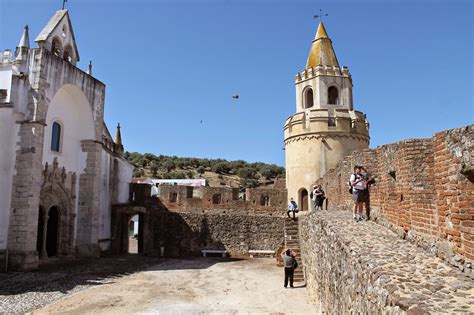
(60, 169)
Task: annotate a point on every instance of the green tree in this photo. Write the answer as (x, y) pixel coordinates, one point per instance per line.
(221, 168)
(138, 172)
(201, 170)
(169, 165)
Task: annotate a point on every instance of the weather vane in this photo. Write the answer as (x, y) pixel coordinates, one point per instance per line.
(64, 3)
(320, 16)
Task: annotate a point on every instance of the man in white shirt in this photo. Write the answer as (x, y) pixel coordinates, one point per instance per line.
(292, 207)
(359, 184)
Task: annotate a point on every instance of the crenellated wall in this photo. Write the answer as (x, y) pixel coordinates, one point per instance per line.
(424, 191)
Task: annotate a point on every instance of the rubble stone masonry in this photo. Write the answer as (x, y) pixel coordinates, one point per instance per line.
(363, 268)
(424, 191)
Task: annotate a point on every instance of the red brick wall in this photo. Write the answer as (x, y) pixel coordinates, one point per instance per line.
(432, 194)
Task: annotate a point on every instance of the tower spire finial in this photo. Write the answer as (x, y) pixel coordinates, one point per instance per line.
(25, 38)
(64, 3)
(320, 15)
(21, 50)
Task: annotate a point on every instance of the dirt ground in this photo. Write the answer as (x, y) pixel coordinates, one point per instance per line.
(192, 286)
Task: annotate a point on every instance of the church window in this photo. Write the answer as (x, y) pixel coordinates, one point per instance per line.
(55, 137)
(64, 31)
(308, 98)
(333, 96)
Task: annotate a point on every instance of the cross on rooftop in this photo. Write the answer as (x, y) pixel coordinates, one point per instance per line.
(320, 15)
(64, 3)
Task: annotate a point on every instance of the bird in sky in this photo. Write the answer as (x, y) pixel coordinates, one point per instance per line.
(235, 96)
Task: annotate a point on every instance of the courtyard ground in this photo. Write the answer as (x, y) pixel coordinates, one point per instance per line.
(165, 286)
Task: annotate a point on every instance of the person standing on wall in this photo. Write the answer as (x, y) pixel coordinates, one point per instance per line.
(289, 260)
(358, 184)
(319, 197)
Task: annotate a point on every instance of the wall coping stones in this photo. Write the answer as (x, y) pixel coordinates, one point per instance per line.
(364, 268)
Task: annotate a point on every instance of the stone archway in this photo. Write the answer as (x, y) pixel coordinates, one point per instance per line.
(303, 199)
(56, 212)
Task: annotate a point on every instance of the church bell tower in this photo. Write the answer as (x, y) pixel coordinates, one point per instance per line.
(325, 127)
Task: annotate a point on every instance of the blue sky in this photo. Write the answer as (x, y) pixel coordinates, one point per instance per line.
(170, 64)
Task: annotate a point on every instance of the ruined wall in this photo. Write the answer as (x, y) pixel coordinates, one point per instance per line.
(269, 201)
(184, 233)
(363, 268)
(424, 191)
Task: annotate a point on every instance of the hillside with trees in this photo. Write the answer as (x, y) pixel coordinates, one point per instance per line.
(218, 172)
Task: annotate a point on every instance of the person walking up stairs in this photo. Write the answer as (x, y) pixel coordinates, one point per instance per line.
(292, 241)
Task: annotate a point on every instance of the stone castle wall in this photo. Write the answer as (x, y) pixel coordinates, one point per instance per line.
(363, 268)
(424, 191)
(184, 220)
(186, 233)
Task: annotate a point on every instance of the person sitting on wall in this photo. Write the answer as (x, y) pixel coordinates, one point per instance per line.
(292, 207)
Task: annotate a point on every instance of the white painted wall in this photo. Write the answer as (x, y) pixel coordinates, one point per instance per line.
(8, 139)
(70, 107)
(124, 179)
(6, 79)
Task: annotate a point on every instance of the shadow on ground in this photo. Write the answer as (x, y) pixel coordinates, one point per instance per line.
(63, 275)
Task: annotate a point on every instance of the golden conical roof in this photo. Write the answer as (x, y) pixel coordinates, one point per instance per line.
(321, 52)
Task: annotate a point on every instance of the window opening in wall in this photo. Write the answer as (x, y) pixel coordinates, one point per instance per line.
(189, 192)
(67, 54)
(56, 47)
(216, 199)
(55, 137)
(333, 96)
(173, 196)
(264, 200)
(308, 98)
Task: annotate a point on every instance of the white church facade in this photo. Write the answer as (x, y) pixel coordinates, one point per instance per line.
(60, 169)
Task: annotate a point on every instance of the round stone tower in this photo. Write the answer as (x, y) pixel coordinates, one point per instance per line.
(325, 127)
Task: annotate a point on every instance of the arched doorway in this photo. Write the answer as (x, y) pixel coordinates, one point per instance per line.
(52, 232)
(303, 199)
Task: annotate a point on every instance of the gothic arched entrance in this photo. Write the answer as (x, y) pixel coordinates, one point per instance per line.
(56, 213)
(52, 232)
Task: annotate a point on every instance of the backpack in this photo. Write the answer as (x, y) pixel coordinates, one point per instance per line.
(311, 195)
(295, 263)
(350, 184)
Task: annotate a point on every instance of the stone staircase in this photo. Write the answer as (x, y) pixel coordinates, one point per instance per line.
(292, 241)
